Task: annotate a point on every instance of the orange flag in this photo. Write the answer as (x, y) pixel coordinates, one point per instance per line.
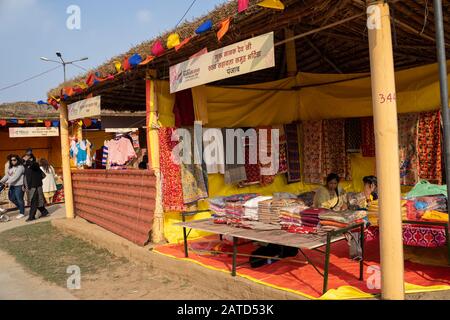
(185, 41)
(224, 27)
(147, 60)
(21, 121)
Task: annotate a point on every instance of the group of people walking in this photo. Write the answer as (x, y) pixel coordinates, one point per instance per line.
(26, 175)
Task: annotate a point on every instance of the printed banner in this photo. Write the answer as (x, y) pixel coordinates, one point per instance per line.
(28, 132)
(243, 57)
(84, 109)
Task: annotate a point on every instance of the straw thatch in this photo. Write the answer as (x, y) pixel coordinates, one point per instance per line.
(27, 111)
(341, 49)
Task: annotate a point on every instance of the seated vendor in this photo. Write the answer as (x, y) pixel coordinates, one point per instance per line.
(331, 196)
(362, 200)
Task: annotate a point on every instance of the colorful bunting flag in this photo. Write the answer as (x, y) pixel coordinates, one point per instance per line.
(224, 27)
(134, 60)
(272, 4)
(13, 121)
(2, 123)
(48, 123)
(242, 5)
(173, 40)
(20, 121)
(118, 66)
(40, 121)
(87, 122)
(69, 91)
(157, 48)
(55, 123)
(204, 27)
(41, 102)
(90, 79)
(94, 121)
(184, 42)
(147, 60)
(125, 64)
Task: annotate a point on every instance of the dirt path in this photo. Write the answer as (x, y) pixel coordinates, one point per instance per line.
(18, 284)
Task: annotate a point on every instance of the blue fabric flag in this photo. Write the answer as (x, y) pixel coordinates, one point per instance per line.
(134, 60)
(40, 102)
(55, 123)
(206, 26)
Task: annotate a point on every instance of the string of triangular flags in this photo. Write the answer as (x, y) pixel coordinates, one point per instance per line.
(86, 123)
(157, 49)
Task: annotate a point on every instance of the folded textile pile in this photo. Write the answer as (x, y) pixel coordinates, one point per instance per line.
(310, 216)
(300, 229)
(217, 207)
(251, 208)
(234, 207)
(335, 220)
(264, 211)
(290, 216)
(373, 211)
(417, 207)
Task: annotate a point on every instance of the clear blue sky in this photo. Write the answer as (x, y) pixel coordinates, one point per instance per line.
(30, 29)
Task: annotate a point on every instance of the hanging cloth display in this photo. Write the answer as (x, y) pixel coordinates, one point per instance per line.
(184, 109)
(429, 147)
(312, 151)
(172, 189)
(334, 154)
(367, 137)
(407, 143)
(293, 152)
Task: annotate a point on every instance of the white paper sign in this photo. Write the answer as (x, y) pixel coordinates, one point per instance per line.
(84, 109)
(243, 57)
(28, 132)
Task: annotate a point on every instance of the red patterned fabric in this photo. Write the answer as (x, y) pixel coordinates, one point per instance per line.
(266, 151)
(368, 137)
(334, 153)
(172, 189)
(429, 147)
(252, 171)
(312, 151)
(415, 235)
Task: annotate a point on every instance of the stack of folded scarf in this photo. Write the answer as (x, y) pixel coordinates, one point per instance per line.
(406, 210)
(336, 220)
(217, 207)
(251, 208)
(310, 216)
(418, 206)
(300, 229)
(234, 207)
(290, 216)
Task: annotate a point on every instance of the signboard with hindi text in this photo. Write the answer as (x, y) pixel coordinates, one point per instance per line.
(29, 132)
(243, 57)
(84, 109)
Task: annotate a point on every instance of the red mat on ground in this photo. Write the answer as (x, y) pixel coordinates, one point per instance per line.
(295, 276)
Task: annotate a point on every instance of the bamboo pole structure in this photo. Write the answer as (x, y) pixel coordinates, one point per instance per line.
(153, 154)
(387, 156)
(442, 60)
(65, 156)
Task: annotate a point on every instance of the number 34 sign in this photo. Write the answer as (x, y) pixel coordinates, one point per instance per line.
(387, 98)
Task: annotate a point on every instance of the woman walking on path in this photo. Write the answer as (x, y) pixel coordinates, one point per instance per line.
(48, 184)
(33, 185)
(14, 180)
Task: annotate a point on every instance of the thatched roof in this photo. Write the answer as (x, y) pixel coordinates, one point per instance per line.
(341, 49)
(34, 111)
(27, 111)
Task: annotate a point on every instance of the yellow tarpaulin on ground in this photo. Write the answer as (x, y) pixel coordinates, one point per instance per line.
(306, 97)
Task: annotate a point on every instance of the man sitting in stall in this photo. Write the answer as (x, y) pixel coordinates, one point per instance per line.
(331, 196)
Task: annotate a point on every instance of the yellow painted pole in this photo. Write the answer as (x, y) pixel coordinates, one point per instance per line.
(387, 156)
(65, 157)
(153, 154)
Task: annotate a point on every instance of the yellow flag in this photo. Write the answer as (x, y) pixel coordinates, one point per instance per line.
(273, 4)
(40, 121)
(117, 65)
(173, 40)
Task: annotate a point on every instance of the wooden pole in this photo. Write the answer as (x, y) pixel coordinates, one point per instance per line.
(65, 157)
(153, 154)
(387, 156)
(291, 54)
